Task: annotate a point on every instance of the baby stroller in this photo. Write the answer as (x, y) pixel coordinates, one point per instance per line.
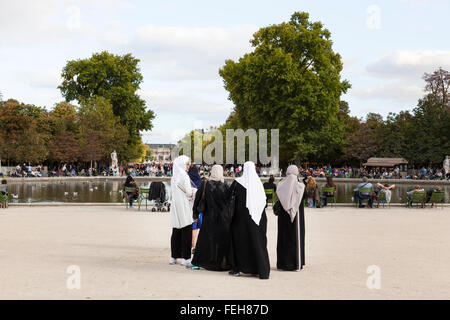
(158, 194)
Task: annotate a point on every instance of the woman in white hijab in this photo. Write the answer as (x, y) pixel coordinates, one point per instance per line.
(181, 212)
(291, 222)
(249, 225)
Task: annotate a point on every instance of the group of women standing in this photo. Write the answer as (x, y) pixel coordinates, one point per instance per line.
(233, 230)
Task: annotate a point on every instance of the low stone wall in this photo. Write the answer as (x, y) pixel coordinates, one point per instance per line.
(229, 179)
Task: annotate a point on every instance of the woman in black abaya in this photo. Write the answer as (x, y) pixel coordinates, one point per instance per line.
(212, 249)
(291, 222)
(249, 225)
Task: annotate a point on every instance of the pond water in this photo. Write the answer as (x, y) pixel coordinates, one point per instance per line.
(109, 191)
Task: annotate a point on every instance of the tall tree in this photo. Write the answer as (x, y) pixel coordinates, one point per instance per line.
(64, 146)
(25, 137)
(366, 140)
(291, 82)
(438, 84)
(117, 79)
(100, 131)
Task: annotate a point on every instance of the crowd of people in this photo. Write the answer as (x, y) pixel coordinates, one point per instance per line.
(367, 191)
(155, 169)
(423, 173)
(221, 227)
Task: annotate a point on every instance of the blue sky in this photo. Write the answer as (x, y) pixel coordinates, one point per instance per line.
(386, 47)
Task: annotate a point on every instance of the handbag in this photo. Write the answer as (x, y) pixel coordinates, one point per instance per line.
(277, 208)
(202, 204)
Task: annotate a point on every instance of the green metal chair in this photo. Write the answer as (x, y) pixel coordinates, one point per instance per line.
(417, 198)
(381, 198)
(4, 200)
(143, 195)
(437, 197)
(274, 196)
(125, 198)
(330, 199)
(364, 190)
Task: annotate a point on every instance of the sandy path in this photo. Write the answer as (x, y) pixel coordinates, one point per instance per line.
(124, 255)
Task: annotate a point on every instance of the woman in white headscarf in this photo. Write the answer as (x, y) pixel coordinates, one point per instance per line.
(212, 249)
(249, 225)
(291, 222)
(181, 212)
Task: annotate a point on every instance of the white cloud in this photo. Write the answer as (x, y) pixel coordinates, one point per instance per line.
(409, 63)
(180, 53)
(184, 103)
(394, 91)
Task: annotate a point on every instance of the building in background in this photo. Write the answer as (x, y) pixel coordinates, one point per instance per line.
(161, 152)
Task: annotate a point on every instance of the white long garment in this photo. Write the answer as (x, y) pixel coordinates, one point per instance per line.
(180, 208)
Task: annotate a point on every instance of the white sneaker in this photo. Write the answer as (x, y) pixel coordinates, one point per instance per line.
(185, 262)
(172, 261)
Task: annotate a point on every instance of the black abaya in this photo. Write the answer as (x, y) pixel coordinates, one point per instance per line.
(291, 239)
(213, 243)
(249, 242)
(181, 241)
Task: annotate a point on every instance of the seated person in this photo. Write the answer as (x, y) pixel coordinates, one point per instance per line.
(130, 183)
(270, 185)
(386, 188)
(4, 191)
(326, 195)
(430, 192)
(364, 196)
(417, 188)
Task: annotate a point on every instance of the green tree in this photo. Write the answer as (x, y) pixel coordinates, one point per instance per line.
(438, 84)
(24, 132)
(117, 79)
(366, 140)
(64, 126)
(100, 131)
(291, 81)
(431, 138)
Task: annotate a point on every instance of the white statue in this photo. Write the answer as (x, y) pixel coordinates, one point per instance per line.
(447, 165)
(114, 162)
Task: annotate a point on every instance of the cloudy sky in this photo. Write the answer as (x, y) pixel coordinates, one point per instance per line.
(386, 47)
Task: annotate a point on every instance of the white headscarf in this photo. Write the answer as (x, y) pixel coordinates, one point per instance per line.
(290, 192)
(216, 173)
(256, 196)
(179, 168)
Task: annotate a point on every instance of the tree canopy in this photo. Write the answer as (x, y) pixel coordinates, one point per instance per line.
(291, 82)
(116, 79)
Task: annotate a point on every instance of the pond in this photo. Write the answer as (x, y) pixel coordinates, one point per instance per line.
(109, 191)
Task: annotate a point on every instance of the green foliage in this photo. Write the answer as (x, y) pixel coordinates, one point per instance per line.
(24, 132)
(291, 82)
(117, 79)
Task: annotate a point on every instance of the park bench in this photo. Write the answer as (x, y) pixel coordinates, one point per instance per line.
(417, 198)
(4, 200)
(126, 200)
(437, 197)
(143, 195)
(325, 193)
(381, 198)
(364, 190)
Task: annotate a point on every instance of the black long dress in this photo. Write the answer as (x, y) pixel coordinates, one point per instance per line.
(248, 240)
(213, 243)
(291, 239)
